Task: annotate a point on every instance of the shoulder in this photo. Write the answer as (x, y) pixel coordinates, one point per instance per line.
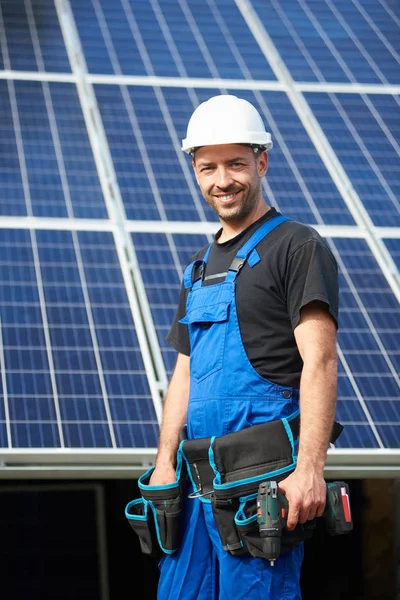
(291, 237)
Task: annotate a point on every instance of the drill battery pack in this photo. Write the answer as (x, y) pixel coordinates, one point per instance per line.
(337, 515)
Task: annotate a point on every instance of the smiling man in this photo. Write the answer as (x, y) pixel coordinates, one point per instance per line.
(255, 333)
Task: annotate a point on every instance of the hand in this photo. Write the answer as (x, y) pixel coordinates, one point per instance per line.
(306, 494)
(162, 475)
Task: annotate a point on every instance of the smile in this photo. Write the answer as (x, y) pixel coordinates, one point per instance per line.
(227, 197)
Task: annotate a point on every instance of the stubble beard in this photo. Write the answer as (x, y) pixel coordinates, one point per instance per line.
(237, 213)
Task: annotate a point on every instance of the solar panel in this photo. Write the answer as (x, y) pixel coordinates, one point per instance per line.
(31, 37)
(170, 39)
(73, 370)
(337, 41)
(90, 281)
(364, 131)
(48, 168)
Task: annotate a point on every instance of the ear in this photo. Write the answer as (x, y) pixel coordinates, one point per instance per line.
(262, 164)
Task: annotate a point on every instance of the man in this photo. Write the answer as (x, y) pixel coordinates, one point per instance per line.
(250, 350)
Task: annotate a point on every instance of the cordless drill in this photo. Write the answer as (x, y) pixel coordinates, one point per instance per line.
(273, 508)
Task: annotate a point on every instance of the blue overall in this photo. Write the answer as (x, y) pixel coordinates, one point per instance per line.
(226, 395)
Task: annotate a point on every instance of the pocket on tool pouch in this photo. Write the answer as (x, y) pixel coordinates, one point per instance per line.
(247, 526)
(242, 460)
(165, 502)
(140, 518)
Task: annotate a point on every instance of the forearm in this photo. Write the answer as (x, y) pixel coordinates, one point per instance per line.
(318, 393)
(174, 413)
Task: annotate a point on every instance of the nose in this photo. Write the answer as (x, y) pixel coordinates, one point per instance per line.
(223, 178)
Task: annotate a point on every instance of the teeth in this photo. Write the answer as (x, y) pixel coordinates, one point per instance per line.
(228, 197)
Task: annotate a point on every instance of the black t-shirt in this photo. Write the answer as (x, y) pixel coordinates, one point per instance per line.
(296, 268)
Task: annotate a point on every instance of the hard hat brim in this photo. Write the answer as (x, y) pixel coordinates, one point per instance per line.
(256, 140)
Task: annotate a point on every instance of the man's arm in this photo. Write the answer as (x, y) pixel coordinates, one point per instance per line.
(174, 418)
(305, 488)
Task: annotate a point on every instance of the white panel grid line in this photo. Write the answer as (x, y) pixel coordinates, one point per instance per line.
(5, 389)
(190, 83)
(37, 76)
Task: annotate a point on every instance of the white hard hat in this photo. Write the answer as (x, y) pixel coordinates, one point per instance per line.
(225, 119)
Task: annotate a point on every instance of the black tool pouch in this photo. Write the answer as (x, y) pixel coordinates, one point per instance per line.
(156, 516)
(140, 518)
(242, 460)
(196, 454)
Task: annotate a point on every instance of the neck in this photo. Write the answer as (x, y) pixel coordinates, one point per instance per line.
(231, 229)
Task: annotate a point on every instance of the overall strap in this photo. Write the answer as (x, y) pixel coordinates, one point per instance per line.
(195, 270)
(251, 243)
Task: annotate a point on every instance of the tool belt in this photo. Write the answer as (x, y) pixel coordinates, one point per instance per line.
(227, 471)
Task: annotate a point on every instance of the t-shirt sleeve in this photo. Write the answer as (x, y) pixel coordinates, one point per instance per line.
(178, 335)
(312, 274)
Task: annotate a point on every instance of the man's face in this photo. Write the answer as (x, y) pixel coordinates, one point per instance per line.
(230, 177)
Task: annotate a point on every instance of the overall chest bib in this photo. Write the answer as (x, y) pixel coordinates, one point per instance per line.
(226, 392)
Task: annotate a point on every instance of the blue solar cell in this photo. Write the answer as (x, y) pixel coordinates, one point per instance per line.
(33, 37)
(137, 435)
(86, 435)
(393, 245)
(34, 435)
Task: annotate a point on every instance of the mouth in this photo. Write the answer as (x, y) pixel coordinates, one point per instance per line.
(227, 198)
